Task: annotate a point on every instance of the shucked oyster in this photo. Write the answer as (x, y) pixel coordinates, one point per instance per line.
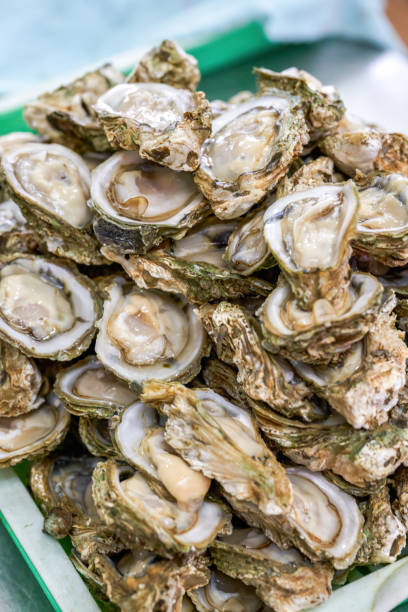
(167, 125)
(20, 382)
(382, 228)
(322, 105)
(357, 146)
(66, 115)
(261, 375)
(250, 149)
(149, 334)
(47, 309)
(168, 63)
(221, 440)
(364, 384)
(308, 233)
(51, 185)
(138, 203)
(283, 579)
(144, 514)
(87, 388)
(321, 333)
(193, 266)
(33, 434)
(139, 580)
(224, 594)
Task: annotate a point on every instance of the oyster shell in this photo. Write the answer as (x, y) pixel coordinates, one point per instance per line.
(165, 124)
(365, 383)
(224, 593)
(318, 335)
(384, 532)
(308, 233)
(283, 579)
(138, 203)
(139, 580)
(21, 383)
(34, 433)
(322, 105)
(142, 514)
(382, 228)
(221, 440)
(167, 63)
(15, 237)
(47, 309)
(400, 485)
(66, 115)
(261, 376)
(51, 185)
(88, 389)
(310, 174)
(251, 147)
(95, 435)
(358, 146)
(149, 334)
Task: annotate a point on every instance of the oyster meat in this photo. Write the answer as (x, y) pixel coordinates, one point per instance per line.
(223, 593)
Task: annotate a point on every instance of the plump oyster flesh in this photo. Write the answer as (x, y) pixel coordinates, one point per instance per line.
(140, 580)
(384, 532)
(66, 115)
(138, 203)
(20, 382)
(149, 334)
(221, 440)
(322, 105)
(322, 333)
(250, 149)
(261, 376)
(167, 125)
(225, 593)
(33, 434)
(308, 233)
(87, 388)
(143, 515)
(167, 63)
(51, 185)
(47, 309)
(382, 228)
(365, 383)
(283, 579)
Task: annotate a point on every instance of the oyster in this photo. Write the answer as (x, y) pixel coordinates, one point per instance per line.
(365, 382)
(221, 440)
(224, 593)
(51, 185)
(88, 389)
(21, 383)
(33, 434)
(308, 233)
(358, 146)
(283, 579)
(143, 514)
(311, 174)
(15, 237)
(251, 147)
(261, 376)
(66, 115)
(382, 228)
(322, 105)
(384, 532)
(62, 486)
(167, 63)
(138, 203)
(321, 333)
(149, 334)
(140, 581)
(47, 309)
(361, 457)
(165, 124)
(95, 435)
(400, 485)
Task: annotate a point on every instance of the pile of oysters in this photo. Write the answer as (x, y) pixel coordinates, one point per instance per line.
(203, 307)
